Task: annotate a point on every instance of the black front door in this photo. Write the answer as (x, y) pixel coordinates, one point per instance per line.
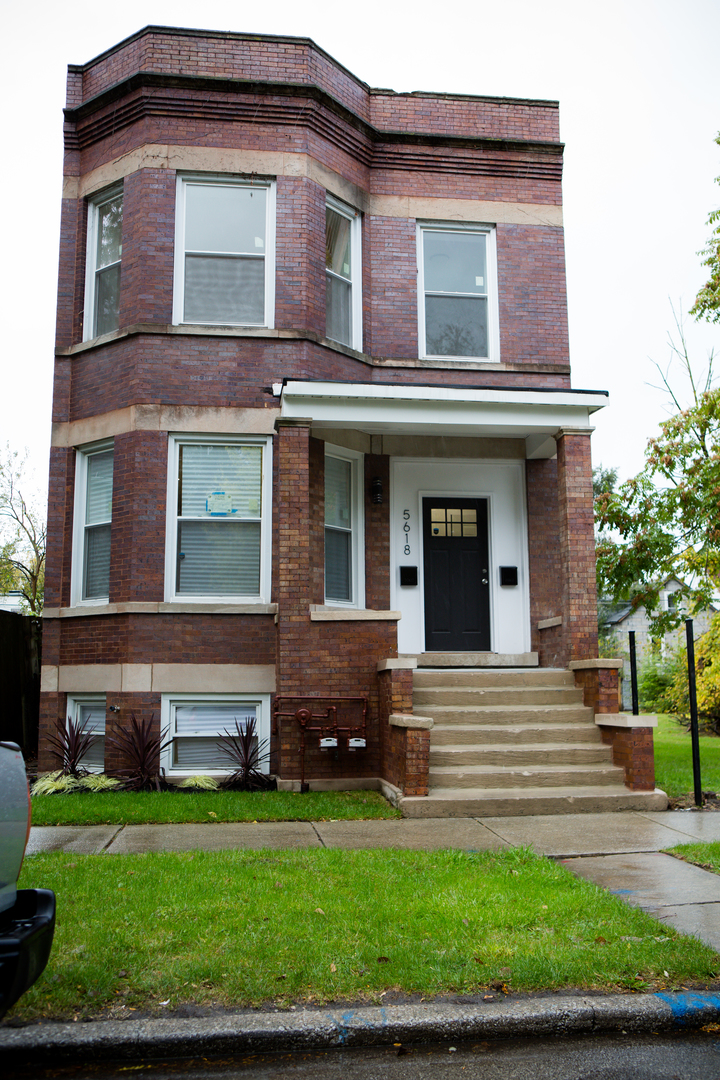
(457, 593)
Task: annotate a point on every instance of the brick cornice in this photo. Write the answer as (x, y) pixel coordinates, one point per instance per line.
(303, 105)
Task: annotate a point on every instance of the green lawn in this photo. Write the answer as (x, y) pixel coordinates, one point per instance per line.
(673, 759)
(705, 855)
(236, 928)
(151, 807)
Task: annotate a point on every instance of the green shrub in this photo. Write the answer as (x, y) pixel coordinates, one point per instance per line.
(199, 783)
(54, 783)
(707, 679)
(655, 683)
(98, 782)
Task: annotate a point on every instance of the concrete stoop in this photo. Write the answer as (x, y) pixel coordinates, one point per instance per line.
(515, 742)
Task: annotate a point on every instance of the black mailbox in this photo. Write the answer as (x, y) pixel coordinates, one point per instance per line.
(408, 575)
(508, 575)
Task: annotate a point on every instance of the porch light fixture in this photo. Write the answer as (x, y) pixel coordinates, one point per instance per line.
(376, 490)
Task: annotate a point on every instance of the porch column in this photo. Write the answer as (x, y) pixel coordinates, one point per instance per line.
(577, 544)
(292, 554)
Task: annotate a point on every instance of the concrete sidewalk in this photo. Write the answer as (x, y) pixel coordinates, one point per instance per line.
(620, 852)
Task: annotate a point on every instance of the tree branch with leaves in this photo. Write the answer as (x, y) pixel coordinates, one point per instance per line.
(665, 522)
(707, 301)
(22, 533)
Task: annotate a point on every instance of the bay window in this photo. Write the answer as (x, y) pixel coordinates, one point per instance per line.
(343, 298)
(224, 252)
(104, 255)
(219, 518)
(92, 524)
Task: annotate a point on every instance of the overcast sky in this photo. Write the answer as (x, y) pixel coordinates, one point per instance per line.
(639, 90)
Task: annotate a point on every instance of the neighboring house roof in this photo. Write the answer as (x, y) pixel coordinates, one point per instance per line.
(616, 614)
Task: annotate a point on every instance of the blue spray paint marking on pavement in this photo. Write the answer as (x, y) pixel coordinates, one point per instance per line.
(621, 892)
(684, 1005)
(346, 1018)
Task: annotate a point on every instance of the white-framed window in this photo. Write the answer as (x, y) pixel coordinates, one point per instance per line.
(194, 722)
(343, 274)
(89, 709)
(104, 255)
(92, 524)
(224, 252)
(219, 518)
(344, 527)
(457, 286)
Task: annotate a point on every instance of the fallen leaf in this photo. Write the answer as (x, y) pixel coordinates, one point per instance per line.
(319, 910)
(164, 1002)
(403, 1050)
(600, 941)
(279, 978)
(211, 813)
(333, 968)
(466, 922)
(488, 997)
(383, 960)
(478, 959)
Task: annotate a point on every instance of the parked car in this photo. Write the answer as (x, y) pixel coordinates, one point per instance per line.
(27, 916)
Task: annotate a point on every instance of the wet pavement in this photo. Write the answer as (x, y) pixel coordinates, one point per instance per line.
(620, 852)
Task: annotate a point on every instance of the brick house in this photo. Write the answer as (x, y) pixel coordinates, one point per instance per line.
(314, 435)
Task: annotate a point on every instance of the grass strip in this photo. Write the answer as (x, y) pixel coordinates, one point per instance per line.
(165, 807)
(705, 855)
(156, 931)
(673, 759)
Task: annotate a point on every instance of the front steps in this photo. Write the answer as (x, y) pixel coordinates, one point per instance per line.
(515, 741)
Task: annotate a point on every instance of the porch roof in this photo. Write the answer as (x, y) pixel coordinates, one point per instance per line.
(381, 408)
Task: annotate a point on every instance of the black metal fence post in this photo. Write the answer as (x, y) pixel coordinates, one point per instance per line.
(694, 734)
(633, 674)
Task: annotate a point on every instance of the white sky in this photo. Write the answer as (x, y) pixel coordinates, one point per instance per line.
(639, 90)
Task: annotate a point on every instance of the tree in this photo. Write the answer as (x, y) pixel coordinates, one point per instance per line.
(707, 301)
(22, 533)
(665, 522)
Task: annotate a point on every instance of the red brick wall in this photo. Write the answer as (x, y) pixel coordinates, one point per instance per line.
(377, 535)
(61, 489)
(299, 277)
(633, 751)
(161, 639)
(137, 557)
(544, 560)
(391, 255)
(577, 546)
(146, 293)
(601, 688)
(71, 280)
(533, 307)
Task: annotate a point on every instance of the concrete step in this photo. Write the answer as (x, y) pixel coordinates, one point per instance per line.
(481, 715)
(518, 757)
(507, 678)
(424, 697)
(475, 660)
(511, 802)
(542, 776)
(528, 734)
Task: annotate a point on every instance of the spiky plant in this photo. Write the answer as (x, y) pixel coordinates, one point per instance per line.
(199, 783)
(98, 782)
(245, 751)
(54, 783)
(141, 750)
(70, 744)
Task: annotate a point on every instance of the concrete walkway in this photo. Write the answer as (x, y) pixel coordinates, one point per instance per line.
(620, 852)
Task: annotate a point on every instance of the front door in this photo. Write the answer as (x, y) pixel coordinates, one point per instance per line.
(457, 593)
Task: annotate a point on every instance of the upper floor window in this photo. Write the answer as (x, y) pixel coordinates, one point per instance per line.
(92, 524)
(344, 578)
(218, 542)
(457, 304)
(224, 252)
(343, 295)
(104, 253)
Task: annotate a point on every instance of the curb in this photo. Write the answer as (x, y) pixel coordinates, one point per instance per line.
(368, 1026)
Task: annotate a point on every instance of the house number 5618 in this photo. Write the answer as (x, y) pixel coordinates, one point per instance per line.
(406, 530)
